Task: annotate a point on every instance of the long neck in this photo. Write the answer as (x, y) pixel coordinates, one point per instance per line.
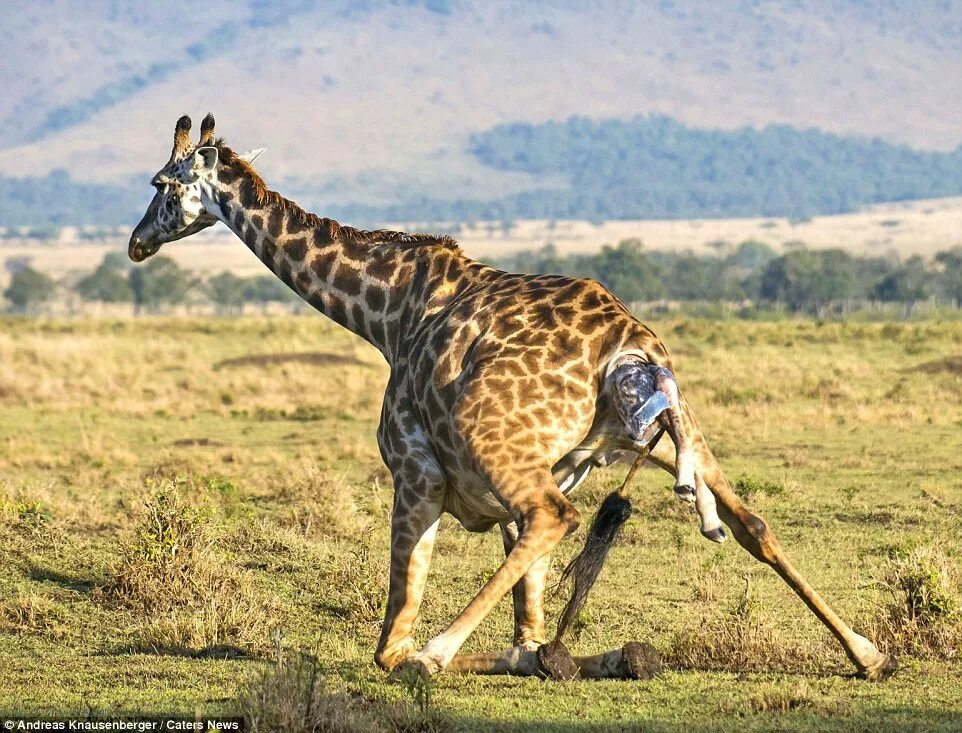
(375, 288)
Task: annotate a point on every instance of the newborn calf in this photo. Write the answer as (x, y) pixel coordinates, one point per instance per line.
(644, 396)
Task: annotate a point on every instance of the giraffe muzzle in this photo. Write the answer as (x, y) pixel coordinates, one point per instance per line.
(138, 250)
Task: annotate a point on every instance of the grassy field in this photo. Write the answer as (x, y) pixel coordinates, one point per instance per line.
(194, 517)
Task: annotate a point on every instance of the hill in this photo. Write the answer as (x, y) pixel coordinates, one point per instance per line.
(363, 103)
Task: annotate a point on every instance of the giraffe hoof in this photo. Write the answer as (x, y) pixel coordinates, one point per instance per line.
(883, 668)
(411, 670)
(685, 493)
(715, 535)
(642, 661)
(555, 662)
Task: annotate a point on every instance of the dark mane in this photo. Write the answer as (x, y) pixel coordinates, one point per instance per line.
(337, 232)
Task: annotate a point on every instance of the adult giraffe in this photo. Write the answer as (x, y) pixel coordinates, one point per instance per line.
(496, 379)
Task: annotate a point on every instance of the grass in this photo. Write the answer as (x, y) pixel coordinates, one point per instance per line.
(194, 517)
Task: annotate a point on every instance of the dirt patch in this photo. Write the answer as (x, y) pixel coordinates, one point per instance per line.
(311, 358)
(947, 365)
(196, 442)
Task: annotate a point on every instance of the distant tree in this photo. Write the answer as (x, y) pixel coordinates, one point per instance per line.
(949, 280)
(751, 255)
(266, 289)
(108, 283)
(226, 291)
(627, 270)
(45, 232)
(28, 289)
(161, 282)
(16, 264)
(808, 280)
(907, 284)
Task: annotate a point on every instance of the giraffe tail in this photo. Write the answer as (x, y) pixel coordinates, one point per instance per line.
(584, 570)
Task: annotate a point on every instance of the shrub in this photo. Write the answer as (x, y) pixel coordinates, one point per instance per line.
(922, 614)
(193, 602)
(749, 488)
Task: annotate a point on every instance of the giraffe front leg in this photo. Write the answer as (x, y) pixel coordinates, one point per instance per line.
(414, 525)
(527, 595)
(545, 517)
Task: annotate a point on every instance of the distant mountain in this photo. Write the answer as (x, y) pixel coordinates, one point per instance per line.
(365, 105)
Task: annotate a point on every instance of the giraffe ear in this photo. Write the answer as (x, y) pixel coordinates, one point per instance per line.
(205, 160)
(251, 155)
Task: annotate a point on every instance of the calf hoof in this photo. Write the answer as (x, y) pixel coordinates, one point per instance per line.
(715, 535)
(555, 662)
(882, 668)
(685, 493)
(642, 661)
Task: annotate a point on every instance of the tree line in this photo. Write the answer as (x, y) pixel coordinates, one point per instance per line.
(158, 284)
(799, 280)
(750, 275)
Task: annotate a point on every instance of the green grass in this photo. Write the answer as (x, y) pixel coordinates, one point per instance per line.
(849, 450)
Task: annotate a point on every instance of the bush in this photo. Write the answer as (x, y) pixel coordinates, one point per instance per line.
(191, 600)
(922, 615)
(29, 289)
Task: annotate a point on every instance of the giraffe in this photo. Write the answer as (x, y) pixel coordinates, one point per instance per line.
(492, 409)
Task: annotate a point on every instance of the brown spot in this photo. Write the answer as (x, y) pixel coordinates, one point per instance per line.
(296, 248)
(378, 335)
(338, 311)
(250, 237)
(294, 223)
(285, 273)
(357, 313)
(375, 298)
(258, 221)
(353, 250)
(347, 280)
(274, 220)
(304, 280)
(248, 194)
(592, 299)
(323, 263)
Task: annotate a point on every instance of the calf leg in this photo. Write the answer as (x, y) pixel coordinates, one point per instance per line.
(633, 661)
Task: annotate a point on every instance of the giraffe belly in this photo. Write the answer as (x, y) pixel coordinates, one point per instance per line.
(469, 499)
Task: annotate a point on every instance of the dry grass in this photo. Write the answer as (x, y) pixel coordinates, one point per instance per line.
(922, 613)
(295, 696)
(190, 600)
(263, 515)
(31, 613)
(742, 640)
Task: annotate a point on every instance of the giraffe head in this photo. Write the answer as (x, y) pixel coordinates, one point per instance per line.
(177, 209)
(184, 184)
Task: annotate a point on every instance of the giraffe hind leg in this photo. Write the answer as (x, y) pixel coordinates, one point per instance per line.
(753, 533)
